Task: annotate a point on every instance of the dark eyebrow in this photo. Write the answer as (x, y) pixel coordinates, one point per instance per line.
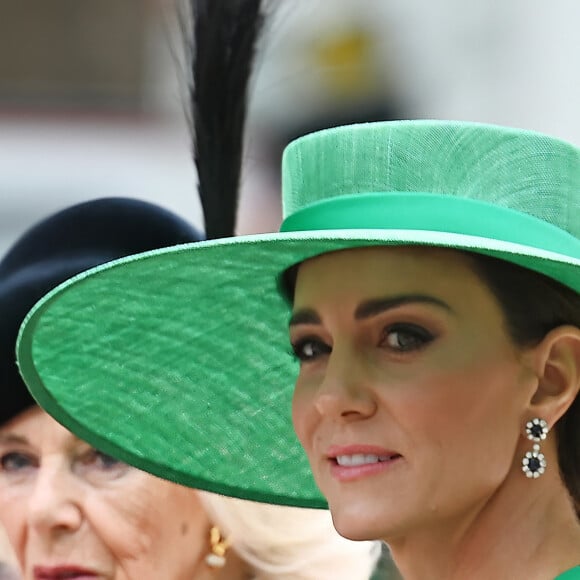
(304, 316)
(12, 438)
(371, 308)
(377, 305)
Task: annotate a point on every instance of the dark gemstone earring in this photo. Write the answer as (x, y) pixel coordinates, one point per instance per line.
(534, 462)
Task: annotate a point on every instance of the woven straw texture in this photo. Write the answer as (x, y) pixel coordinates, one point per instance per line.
(518, 169)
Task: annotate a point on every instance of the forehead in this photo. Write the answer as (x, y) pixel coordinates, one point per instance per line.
(36, 427)
(385, 269)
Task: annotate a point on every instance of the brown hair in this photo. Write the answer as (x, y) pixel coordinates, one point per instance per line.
(533, 305)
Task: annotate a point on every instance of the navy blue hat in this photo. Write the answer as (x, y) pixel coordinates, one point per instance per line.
(65, 244)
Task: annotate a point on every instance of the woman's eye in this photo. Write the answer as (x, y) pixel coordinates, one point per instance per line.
(308, 349)
(106, 461)
(406, 337)
(97, 466)
(15, 461)
(100, 460)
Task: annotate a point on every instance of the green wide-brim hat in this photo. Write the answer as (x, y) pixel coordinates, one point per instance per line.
(178, 360)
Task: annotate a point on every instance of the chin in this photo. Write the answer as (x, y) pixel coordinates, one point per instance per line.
(375, 519)
(359, 523)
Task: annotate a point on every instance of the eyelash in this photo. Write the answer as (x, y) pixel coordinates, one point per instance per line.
(99, 460)
(420, 337)
(299, 346)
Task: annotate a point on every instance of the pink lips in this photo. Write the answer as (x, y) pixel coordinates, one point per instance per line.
(352, 462)
(62, 573)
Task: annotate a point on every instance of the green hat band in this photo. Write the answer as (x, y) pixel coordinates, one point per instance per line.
(432, 212)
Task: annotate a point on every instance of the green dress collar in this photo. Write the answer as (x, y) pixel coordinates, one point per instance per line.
(572, 574)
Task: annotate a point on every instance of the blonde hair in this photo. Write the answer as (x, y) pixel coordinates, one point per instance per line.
(285, 543)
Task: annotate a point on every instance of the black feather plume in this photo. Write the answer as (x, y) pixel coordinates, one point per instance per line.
(225, 33)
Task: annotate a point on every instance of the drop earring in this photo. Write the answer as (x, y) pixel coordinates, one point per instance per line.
(218, 548)
(534, 462)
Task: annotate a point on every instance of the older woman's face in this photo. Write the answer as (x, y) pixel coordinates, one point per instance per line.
(411, 397)
(72, 512)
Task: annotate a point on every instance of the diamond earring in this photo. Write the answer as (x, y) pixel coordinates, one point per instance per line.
(534, 462)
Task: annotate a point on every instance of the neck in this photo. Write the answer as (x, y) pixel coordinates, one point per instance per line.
(528, 529)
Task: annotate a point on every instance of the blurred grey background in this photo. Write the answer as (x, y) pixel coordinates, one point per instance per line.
(91, 104)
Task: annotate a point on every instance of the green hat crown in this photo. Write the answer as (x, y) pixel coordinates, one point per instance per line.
(521, 170)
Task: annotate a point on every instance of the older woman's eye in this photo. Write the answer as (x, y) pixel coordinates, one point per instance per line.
(308, 349)
(94, 464)
(406, 337)
(105, 461)
(16, 462)
(100, 460)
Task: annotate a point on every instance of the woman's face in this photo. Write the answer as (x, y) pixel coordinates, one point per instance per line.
(72, 512)
(411, 397)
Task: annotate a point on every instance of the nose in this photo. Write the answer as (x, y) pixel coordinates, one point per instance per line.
(55, 501)
(346, 391)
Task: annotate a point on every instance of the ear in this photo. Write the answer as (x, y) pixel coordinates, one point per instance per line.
(557, 366)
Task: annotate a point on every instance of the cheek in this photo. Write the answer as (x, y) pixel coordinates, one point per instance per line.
(151, 526)
(469, 418)
(125, 516)
(184, 516)
(475, 381)
(13, 517)
(302, 414)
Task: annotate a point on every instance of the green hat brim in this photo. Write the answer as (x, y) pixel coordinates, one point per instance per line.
(178, 360)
